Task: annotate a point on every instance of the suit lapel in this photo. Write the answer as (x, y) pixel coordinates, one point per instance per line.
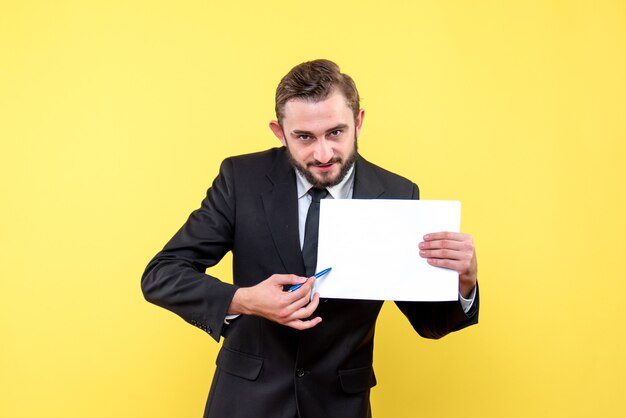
(281, 211)
(367, 185)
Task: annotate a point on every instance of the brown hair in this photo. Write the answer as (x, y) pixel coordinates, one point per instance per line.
(314, 81)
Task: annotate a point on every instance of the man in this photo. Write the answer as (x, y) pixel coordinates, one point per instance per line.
(284, 354)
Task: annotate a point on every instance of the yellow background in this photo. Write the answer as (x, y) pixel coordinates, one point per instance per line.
(114, 116)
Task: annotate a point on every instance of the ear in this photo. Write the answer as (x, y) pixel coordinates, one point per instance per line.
(278, 131)
(359, 121)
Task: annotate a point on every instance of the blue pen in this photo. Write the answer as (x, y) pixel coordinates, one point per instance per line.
(316, 275)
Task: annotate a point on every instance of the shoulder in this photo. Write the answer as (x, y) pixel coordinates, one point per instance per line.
(256, 160)
(394, 185)
(257, 171)
(384, 174)
(255, 164)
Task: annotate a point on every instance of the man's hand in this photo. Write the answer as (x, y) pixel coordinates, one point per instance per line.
(455, 251)
(267, 299)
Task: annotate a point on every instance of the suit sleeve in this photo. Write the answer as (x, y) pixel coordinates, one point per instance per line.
(175, 279)
(436, 319)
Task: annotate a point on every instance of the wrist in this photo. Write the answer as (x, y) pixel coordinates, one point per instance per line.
(239, 303)
(466, 289)
(466, 293)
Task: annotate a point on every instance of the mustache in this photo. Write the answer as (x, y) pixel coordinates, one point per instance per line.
(331, 161)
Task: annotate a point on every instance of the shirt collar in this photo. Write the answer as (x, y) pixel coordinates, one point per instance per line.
(339, 191)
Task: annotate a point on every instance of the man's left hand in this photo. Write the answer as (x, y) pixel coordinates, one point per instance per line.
(455, 251)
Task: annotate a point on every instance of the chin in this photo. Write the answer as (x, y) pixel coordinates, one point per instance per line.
(326, 180)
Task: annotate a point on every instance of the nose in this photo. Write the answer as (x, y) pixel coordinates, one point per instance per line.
(323, 151)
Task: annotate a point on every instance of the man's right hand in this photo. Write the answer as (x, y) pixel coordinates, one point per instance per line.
(269, 300)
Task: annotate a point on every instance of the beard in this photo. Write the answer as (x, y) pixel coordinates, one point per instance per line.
(326, 180)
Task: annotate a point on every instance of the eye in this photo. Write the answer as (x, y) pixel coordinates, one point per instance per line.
(304, 137)
(336, 132)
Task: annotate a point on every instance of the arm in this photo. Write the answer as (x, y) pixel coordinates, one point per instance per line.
(175, 279)
(437, 319)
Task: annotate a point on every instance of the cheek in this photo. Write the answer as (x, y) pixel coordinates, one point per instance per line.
(345, 149)
(302, 154)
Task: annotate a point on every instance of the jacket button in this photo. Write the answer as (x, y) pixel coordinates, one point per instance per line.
(300, 372)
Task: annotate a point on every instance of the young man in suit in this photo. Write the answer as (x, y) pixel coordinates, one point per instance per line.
(284, 354)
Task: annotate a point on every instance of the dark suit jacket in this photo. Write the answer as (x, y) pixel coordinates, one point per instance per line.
(265, 369)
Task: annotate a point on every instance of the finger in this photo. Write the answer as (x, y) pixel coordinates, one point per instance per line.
(304, 307)
(303, 300)
(307, 311)
(291, 288)
(302, 325)
(448, 244)
(286, 279)
(458, 266)
(446, 235)
(293, 279)
(302, 292)
(444, 254)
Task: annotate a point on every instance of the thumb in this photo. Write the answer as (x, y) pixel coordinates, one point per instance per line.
(293, 279)
(290, 279)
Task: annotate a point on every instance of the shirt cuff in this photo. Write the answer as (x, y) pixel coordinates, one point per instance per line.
(466, 304)
(231, 317)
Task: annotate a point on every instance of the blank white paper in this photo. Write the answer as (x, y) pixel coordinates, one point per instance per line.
(372, 247)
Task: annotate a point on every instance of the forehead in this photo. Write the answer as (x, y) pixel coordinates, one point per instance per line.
(332, 110)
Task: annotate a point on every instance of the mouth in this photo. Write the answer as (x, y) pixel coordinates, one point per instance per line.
(324, 167)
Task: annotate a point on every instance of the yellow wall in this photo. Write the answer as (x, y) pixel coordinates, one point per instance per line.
(114, 116)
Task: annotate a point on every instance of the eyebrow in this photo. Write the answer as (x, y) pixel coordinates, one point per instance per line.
(334, 128)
